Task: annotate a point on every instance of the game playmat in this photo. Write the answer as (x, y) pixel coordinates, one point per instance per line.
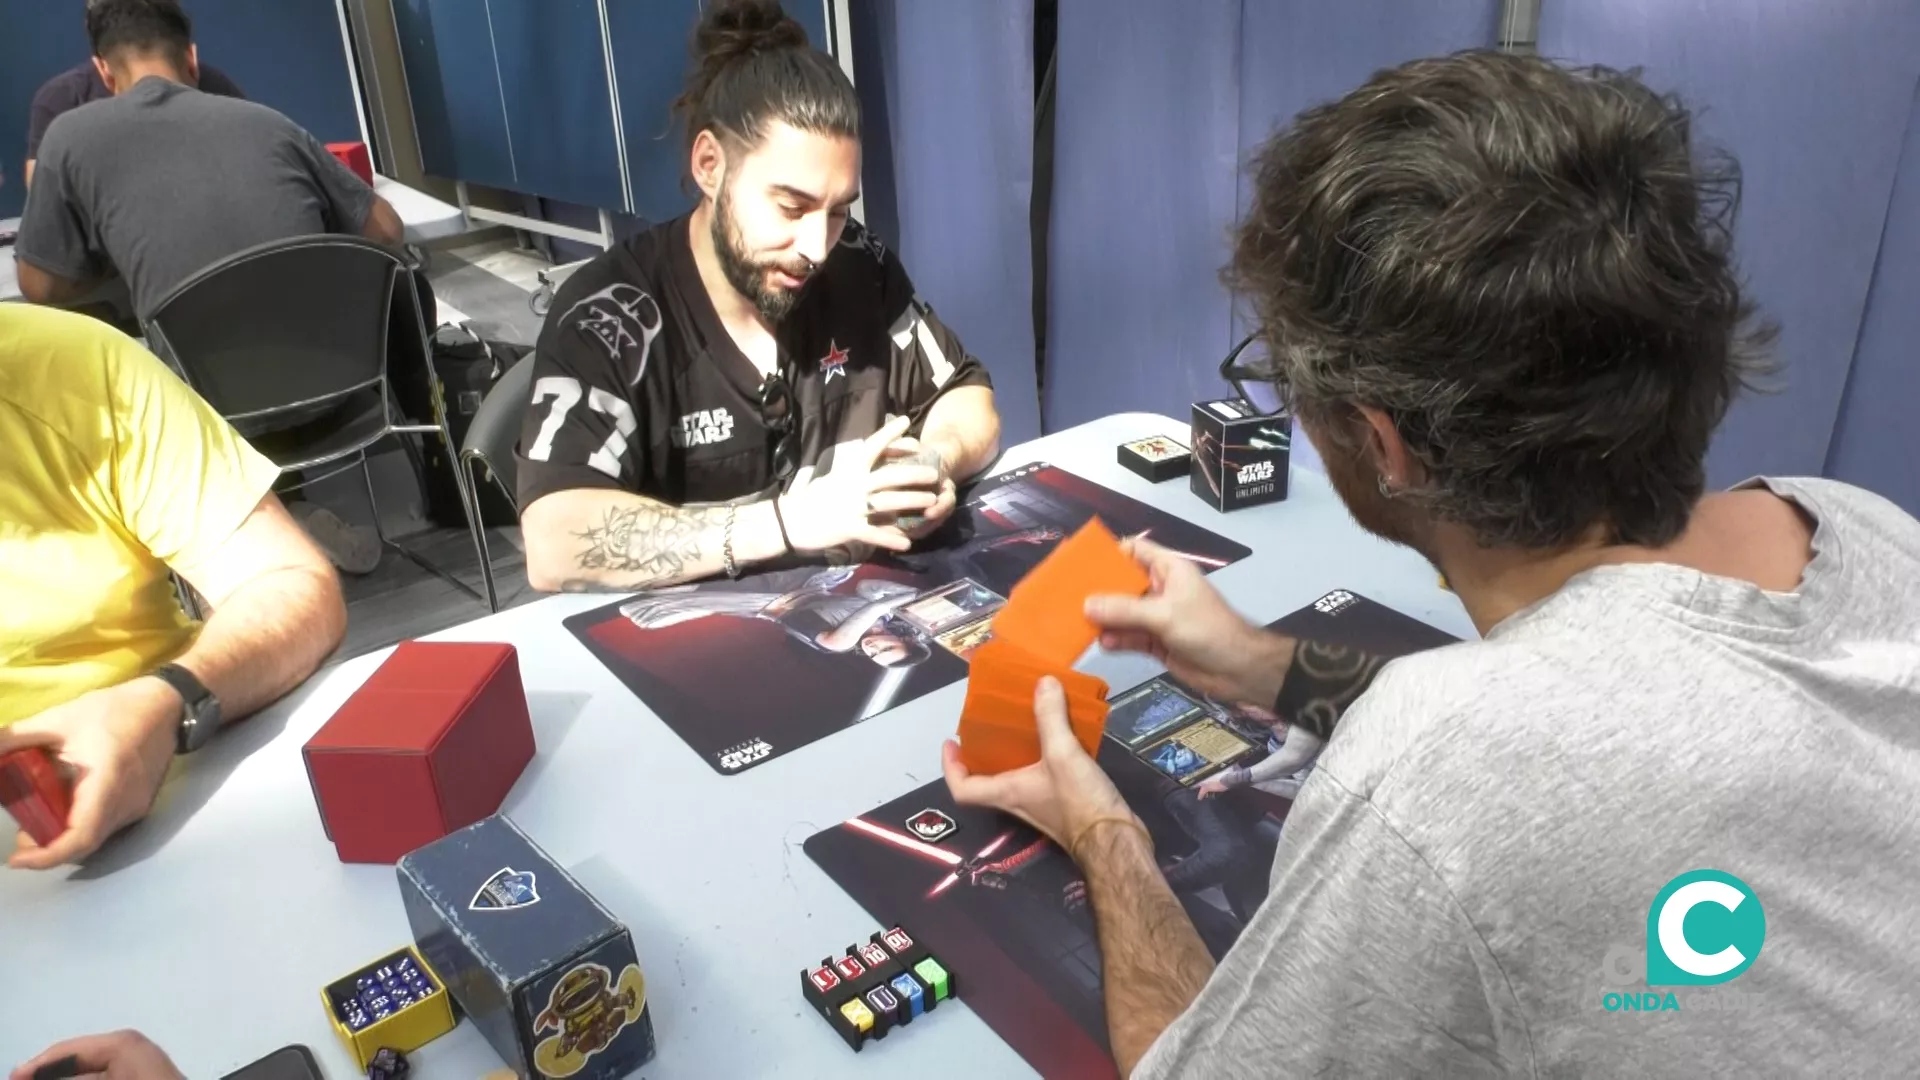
(1006, 908)
(744, 671)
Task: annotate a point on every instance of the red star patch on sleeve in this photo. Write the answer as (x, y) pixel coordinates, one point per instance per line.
(834, 363)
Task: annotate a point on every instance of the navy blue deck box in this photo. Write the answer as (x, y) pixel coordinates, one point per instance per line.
(549, 976)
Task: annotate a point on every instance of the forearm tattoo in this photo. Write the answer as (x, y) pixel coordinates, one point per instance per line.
(654, 544)
(1322, 682)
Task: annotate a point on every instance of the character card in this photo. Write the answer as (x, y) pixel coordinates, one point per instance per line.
(1141, 714)
(951, 605)
(1157, 448)
(1196, 752)
(1155, 458)
(961, 641)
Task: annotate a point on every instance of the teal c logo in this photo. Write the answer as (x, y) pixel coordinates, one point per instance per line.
(1704, 928)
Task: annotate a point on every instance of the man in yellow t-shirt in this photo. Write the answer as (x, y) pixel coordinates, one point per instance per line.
(113, 473)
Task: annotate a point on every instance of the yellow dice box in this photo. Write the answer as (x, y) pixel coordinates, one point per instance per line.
(406, 1030)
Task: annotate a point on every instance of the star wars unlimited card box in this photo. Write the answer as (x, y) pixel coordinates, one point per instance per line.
(548, 975)
(1240, 457)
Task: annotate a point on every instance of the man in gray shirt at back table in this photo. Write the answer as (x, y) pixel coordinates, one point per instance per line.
(1664, 820)
(163, 180)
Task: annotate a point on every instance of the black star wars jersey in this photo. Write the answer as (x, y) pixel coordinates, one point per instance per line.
(637, 386)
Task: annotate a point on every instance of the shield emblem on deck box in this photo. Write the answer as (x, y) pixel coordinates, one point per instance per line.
(548, 975)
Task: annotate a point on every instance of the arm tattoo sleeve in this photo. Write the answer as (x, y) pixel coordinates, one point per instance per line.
(1323, 680)
(654, 544)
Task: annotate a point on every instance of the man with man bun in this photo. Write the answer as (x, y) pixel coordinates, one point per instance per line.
(754, 380)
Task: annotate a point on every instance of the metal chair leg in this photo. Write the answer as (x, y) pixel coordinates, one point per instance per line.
(478, 524)
(366, 473)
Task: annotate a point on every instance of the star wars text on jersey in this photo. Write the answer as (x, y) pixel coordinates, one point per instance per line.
(703, 428)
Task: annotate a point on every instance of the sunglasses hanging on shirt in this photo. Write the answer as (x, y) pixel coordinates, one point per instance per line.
(777, 412)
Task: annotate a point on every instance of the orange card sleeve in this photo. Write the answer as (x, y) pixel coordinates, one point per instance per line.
(1045, 616)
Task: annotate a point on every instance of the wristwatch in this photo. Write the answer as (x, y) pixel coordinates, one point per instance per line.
(200, 717)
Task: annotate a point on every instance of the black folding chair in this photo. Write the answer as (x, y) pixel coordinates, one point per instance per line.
(490, 442)
(288, 341)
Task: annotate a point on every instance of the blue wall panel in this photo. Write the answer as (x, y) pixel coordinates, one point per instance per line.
(1814, 102)
(447, 49)
(38, 40)
(1877, 443)
(287, 54)
(812, 15)
(650, 57)
(559, 111)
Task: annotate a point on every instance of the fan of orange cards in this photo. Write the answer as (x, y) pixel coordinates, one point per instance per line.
(1041, 631)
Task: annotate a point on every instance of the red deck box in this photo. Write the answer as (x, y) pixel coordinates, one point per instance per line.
(355, 157)
(432, 743)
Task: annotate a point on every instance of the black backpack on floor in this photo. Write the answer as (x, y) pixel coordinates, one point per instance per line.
(468, 366)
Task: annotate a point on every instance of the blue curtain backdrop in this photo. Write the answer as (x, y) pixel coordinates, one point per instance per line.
(1159, 105)
(1815, 100)
(947, 111)
(1876, 443)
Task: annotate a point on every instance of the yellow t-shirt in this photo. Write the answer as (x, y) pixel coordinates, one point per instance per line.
(110, 470)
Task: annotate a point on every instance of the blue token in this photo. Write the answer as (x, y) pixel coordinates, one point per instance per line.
(909, 990)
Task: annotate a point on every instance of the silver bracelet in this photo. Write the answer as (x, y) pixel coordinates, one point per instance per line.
(726, 547)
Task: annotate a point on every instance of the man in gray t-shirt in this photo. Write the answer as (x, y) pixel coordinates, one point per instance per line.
(162, 180)
(1664, 818)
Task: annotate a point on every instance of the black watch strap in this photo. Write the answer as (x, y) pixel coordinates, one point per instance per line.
(201, 716)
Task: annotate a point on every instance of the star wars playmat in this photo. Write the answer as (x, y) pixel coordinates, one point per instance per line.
(744, 671)
(1006, 909)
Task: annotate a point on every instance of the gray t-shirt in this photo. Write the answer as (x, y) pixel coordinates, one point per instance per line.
(164, 181)
(1469, 871)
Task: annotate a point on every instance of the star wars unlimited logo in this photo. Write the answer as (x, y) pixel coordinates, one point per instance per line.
(1255, 473)
(745, 754)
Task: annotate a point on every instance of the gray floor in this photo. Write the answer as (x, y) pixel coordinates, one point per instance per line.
(488, 284)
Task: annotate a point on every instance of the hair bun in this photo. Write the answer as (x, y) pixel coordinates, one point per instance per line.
(736, 29)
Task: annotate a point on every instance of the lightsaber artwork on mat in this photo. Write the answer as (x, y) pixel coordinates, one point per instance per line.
(1192, 557)
(884, 692)
(904, 842)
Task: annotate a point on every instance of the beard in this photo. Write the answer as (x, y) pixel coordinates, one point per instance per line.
(750, 277)
(1358, 485)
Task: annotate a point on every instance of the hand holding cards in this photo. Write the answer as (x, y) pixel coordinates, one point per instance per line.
(924, 457)
(1041, 632)
(857, 500)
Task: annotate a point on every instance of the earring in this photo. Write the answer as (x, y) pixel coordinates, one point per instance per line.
(1385, 491)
